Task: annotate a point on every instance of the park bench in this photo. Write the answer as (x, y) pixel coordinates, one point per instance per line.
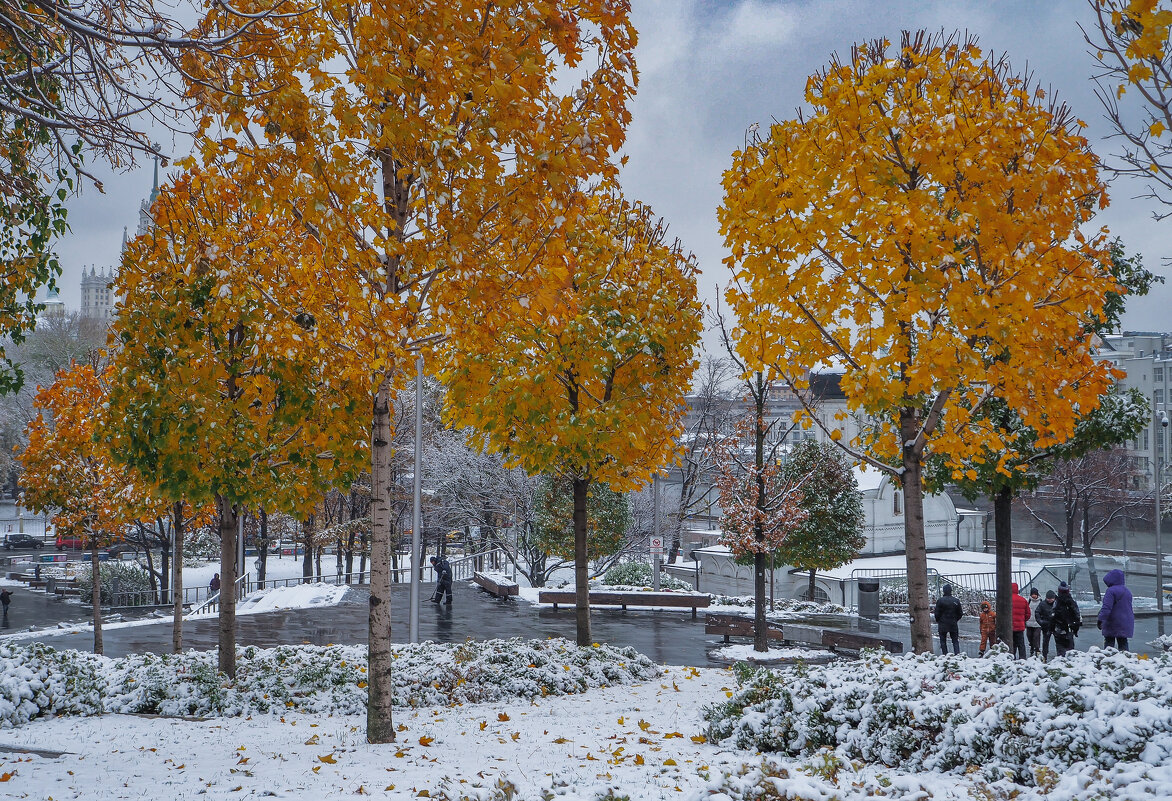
(738, 626)
(625, 598)
(497, 585)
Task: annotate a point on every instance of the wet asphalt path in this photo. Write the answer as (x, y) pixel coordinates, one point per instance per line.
(670, 637)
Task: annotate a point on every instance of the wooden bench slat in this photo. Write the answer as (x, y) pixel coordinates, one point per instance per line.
(673, 600)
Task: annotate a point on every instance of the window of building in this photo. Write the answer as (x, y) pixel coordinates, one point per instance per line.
(1158, 374)
(1147, 442)
(1158, 397)
(897, 502)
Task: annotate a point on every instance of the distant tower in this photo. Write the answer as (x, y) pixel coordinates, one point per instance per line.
(98, 298)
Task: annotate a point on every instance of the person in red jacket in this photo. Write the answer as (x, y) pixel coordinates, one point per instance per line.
(1021, 613)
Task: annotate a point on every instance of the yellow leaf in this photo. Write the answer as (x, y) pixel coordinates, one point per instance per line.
(639, 759)
(425, 740)
(502, 717)
(483, 725)
(699, 738)
(328, 759)
(312, 740)
(669, 761)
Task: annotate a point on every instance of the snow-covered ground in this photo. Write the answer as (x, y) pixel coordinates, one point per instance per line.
(645, 741)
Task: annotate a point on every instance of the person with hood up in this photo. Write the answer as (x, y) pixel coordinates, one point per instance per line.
(1033, 627)
(1116, 618)
(988, 627)
(1021, 614)
(948, 613)
(1067, 620)
(1044, 615)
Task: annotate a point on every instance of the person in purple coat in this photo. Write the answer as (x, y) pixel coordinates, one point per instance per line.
(1116, 618)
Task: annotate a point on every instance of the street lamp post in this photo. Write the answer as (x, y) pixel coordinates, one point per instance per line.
(1157, 453)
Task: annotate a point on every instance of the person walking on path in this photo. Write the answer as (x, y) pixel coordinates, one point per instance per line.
(1116, 618)
(1021, 614)
(443, 574)
(6, 599)
(1044, 615)
(1067, 620)
(1033, 627)
(948, 614)
(214, 584)
(988, 627)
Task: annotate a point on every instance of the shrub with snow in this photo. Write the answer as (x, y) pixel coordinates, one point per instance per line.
(782, 605)
(639, 575)
(37, 681)
(999, 717)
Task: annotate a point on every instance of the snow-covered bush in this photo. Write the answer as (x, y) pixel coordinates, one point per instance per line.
(36, 680)
(130, 579)
(782, 605)
(638, 574)
(1000, 717)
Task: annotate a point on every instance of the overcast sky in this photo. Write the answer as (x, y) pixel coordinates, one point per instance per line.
(711, 68)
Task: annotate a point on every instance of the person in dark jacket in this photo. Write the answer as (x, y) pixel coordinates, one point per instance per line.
(1021, 614)
(443, 579)
(5, 598)
(1045, 617)
(1067, 620)
(948, 614)
(1116, 618)
(214, 584)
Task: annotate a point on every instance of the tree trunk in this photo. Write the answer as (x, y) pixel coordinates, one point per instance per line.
(150, 560)
(760, 630)
(913, 527)
(581, 582)
(810, 592)
(1090, 553)
(96, 593)
(227, 643)
(307, 554)
(380, 690)
(177, 577)
(1003, 539)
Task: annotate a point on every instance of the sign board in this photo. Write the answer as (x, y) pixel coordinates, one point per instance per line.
(657, 545)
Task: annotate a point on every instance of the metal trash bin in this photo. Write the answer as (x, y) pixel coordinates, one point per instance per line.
(869, 598)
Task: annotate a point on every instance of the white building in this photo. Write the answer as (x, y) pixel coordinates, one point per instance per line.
(1146, 360)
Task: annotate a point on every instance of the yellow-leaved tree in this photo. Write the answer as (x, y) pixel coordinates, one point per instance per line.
(586, 381)
(921, 228)
(409, 140)
(68, 471)
(216, 398)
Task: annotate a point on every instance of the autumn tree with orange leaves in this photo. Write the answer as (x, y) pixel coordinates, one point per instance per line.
(921, 227)
(584, 378)
(67, 470)
(217, 398)
(409, 141)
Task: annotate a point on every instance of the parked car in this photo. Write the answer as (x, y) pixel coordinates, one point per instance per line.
(73, 543)
(120, 548)
(22, 541)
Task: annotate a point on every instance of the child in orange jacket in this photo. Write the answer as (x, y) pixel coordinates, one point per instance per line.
(988, 627)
